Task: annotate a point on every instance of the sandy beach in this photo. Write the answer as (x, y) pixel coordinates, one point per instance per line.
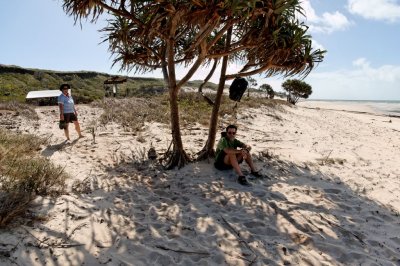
(331, 195)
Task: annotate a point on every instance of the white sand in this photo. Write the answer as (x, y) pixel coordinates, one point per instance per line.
(332, 197)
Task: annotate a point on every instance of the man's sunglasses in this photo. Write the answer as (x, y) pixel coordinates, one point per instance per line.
(231, 133)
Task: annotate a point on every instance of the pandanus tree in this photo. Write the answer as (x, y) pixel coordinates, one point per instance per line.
(296, 89)
(161, 34)
(269, 90)
(271, 41)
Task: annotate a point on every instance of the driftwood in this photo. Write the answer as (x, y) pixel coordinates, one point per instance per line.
(240, 239)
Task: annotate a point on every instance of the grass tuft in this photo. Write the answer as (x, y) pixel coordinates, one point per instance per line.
(24, 175)
(133, 113)
(20, 108)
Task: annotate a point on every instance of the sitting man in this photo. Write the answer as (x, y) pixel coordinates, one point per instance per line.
(228, 155)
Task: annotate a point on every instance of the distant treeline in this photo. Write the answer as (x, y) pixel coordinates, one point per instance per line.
(16, 82)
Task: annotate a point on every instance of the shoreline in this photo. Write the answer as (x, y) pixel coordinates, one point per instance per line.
(382, 108)
(354, 112)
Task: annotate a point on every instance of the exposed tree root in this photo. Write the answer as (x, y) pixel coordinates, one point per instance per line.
(178, 158)
(205, 154)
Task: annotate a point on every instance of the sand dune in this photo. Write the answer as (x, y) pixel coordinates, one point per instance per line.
(331, 196)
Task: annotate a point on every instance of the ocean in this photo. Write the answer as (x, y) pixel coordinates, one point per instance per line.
(391, 108)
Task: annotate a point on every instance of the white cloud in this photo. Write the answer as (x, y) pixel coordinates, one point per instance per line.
(316, 45)
(361, 62)
(385, 73)
(309, 11)
(362, 82)
(385, 10)
(327, 22)
(333, 22)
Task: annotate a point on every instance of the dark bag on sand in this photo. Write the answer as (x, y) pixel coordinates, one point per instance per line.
(61, 125)
(237, 89)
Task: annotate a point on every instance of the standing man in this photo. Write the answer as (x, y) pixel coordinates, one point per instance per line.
(68, 112)
(228, 155)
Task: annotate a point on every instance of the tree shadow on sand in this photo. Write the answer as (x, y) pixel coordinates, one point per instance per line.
(139, 214)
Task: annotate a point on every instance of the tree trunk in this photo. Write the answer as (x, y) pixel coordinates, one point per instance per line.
(208, 76)
(200, 91)
(208, 149)
(178, 157)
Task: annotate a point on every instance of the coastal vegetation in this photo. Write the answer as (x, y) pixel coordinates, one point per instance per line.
(87, 86)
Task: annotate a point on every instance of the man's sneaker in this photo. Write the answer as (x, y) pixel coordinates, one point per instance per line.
(243, 181)
(257, 174)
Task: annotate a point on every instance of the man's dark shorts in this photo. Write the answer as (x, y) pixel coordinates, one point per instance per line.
(220, 165)
(70, 117)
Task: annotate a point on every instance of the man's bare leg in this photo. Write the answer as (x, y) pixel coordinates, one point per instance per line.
(249, 161)
(231, 159)
(254, 172)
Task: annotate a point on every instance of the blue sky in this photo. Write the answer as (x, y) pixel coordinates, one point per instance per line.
(361, 36)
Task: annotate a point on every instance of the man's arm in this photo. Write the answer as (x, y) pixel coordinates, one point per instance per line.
(243, 152)
(246, 147)
(243, 146)
(231, 151)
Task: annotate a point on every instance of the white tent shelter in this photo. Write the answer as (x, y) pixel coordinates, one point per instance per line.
(44, 97)
(43, 94)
